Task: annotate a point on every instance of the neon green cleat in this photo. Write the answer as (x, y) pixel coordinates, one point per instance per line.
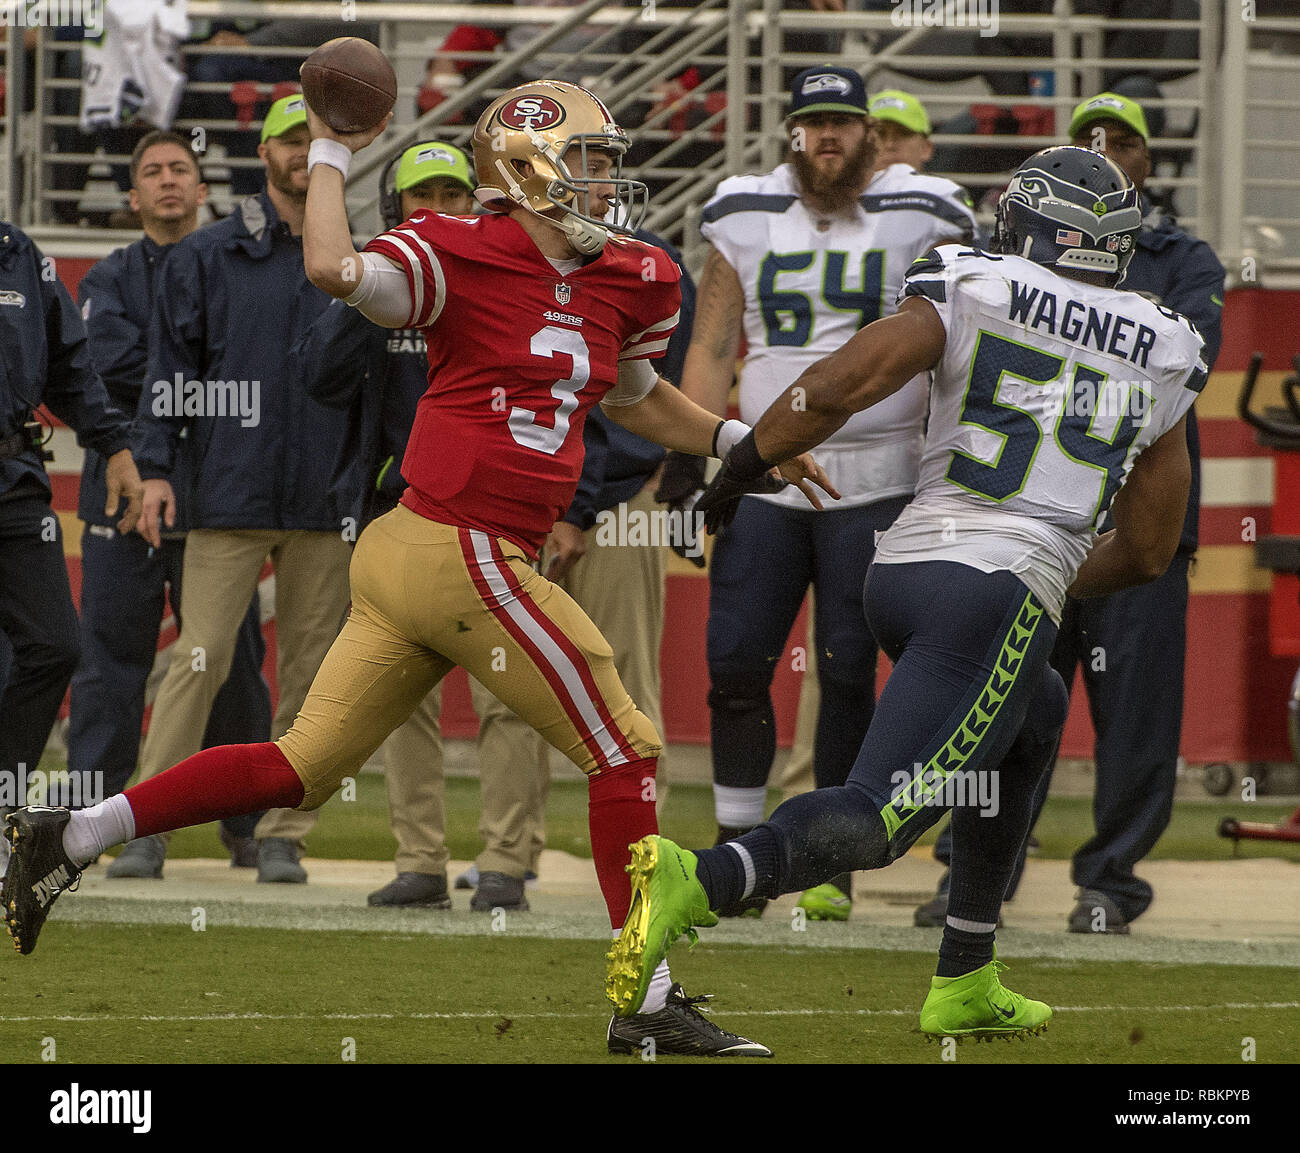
(667, 901)
(826, 903)
(978, 1005)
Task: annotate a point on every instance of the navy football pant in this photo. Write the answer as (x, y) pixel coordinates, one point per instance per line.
(1131, 647)
(760, 571)
(125, 587)
(972, 713)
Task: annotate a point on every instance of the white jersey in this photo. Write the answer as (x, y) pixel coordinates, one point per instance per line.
(1047, 391)
(810, 283)
(132, 72)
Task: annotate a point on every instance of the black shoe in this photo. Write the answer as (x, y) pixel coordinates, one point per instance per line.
(1097, 913)
(497, 891)
(39, 870)
(242, 850)
(678, 1029)
(277, 862)
(414, 891)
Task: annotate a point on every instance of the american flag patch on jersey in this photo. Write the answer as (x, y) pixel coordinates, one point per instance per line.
(1068, 237)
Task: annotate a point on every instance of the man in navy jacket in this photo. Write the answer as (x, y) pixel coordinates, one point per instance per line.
(124, 580)
(232, 300)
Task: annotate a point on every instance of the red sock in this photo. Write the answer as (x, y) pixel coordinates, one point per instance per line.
(620, 811)
(227, 781)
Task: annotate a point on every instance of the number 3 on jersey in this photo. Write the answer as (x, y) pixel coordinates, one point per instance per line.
(523, 421)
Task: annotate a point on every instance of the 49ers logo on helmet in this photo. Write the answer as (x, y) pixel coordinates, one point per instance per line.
(535, 112)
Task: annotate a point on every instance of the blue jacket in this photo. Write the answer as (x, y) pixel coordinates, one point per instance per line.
(116, 298)
(44, 359)
(231, 302)
(1182, 273)
(349, 362)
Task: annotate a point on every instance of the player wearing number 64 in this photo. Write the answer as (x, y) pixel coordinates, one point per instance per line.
(967, 586)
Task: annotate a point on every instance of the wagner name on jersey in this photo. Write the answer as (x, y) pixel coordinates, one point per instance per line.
(1047, 391)
(810, 284)
(519, 350)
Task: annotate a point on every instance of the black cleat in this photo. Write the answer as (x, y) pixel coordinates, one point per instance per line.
(39, 870)
(679, 1029)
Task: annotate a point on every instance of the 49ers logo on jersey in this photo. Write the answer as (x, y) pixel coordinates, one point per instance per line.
(535, 112)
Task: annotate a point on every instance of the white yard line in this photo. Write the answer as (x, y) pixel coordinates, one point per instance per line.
(731, 1012)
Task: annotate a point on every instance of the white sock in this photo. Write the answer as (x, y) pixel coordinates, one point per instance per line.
(751, 874)
(738, 808)
(91, 831)
(656, 996)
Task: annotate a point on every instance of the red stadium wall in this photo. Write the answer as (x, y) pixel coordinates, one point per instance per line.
(1237, 687)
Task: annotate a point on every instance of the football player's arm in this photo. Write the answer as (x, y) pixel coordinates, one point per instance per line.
(665, 416)
(710, 366)
(1148, 512)
(873, 365)
(332, 262)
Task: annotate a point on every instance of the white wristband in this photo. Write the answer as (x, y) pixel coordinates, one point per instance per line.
(729, 434)
(329, 152)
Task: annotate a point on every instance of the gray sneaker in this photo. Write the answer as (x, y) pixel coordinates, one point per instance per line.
(468, 879)
(277, 862)
(497, 891)
(141, 859)
(934, 913)
(414, 891)
(1097, 913)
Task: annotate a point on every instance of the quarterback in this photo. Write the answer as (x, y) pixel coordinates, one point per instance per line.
(532, 313)
(1037, 424)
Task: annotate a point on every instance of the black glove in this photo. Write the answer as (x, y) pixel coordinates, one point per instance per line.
(744, 471)
(679, 487)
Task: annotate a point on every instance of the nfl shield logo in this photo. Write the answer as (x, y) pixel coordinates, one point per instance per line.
(562, 293)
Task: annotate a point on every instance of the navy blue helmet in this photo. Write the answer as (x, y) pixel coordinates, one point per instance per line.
(1069, 207)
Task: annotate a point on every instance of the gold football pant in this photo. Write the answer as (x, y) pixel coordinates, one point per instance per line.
(428, 596)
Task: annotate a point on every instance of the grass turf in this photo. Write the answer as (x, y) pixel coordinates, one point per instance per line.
(232, 995)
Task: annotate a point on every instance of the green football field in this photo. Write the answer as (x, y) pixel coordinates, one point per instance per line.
(131, 981)
(133, 994)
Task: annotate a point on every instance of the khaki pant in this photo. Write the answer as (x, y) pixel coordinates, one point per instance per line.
(621, 588)
(428, 596)
(222, 567)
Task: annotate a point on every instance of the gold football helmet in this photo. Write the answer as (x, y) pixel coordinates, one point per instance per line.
(537, 124)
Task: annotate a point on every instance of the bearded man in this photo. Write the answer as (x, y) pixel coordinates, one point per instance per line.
(802, 257)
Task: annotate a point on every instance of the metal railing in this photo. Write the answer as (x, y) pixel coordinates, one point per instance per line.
(1227, 160)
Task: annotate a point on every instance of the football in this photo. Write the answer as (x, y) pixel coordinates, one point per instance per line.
(349, 84)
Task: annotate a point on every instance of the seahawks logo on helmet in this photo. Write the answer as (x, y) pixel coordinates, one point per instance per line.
(1070, 207)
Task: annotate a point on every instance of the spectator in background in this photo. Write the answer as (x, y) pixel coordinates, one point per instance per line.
(1130, 645)
(231, 302)
(900, 129)
(124, 580)
(45, 360)
(243, 71)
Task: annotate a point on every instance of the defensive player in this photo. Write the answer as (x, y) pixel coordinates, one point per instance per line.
(801, 259)
(1047, 386)
(532, 314)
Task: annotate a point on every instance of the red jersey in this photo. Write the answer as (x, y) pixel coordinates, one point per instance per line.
(518, 354)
